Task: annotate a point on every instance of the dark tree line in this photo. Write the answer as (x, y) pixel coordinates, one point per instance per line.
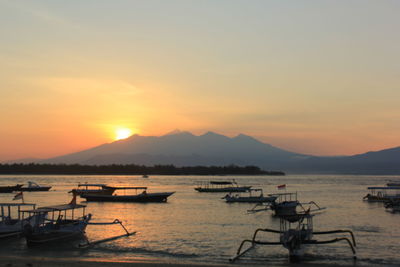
(116, 169)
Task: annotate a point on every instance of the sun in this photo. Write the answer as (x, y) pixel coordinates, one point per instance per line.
(122, 133)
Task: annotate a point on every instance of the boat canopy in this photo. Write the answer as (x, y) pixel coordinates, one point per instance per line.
(220, 182)
(384, 187)
(128, 187)
(101, 185)
(16, 204)
(56, 208)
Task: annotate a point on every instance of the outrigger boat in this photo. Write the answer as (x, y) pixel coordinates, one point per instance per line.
(63, 224)
(220, 186)
(286, 205)
(10, 189)
(33, 187)
(137, 197)
(93, 189)
(295, 235)
(254, 196)
(12, 220)
(383, 193)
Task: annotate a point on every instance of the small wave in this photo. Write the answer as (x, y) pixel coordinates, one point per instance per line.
(143, 250)
(368, 229)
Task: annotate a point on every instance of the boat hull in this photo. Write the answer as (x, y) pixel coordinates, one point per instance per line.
(143, 198)
(10, 189)
(35, 189)
(249, 199)
(224, 189)
(102, 192)
(53, 233)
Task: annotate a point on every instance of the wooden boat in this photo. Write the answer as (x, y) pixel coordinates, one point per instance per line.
(254, 196)
(220, 186)
(61, 224)
(10, 189)
(383, 193)
(93, 189)
(12, 220)
(33, 187)
(141, 197)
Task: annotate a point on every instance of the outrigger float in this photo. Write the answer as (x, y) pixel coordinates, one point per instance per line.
(295, 235)
(61, 224)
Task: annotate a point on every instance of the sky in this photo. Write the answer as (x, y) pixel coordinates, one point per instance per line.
(314, 77)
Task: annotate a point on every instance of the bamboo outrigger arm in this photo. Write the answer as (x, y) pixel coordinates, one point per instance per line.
(116, 221)
(254, 242)
(336, 232)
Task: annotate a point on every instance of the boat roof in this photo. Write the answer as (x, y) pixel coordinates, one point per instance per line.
(384, 187)
(15, 204)
(129, 187)
(92, 184)
(57, 208)
(220, 182)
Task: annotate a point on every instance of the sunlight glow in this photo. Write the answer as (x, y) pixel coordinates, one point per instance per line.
(122, 133)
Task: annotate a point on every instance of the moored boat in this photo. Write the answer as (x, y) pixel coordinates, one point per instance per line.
(144, 196)
(12, 220)
(93, 189)
(253, 196)
(220, 186)
(382, 193)
(33, 187)
(10, 189)
(61, 224)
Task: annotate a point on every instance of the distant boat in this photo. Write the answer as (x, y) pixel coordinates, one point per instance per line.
(97, 189)
(220, 186)
(32, 187)
(12, 220)
(10, 189)
(254, 196)
(382, 193)
(141, 197)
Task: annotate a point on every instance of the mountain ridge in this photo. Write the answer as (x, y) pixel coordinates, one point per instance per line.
(182, 148)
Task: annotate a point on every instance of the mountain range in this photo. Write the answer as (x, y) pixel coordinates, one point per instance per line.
(212, 149)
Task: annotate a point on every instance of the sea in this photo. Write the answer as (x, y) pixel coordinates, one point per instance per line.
(193, 227)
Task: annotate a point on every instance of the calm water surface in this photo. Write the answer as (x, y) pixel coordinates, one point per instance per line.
(197, 227)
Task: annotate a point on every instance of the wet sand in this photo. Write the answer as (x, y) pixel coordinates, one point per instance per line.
(42, 262)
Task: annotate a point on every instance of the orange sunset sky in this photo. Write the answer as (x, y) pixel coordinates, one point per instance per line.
(315, 77)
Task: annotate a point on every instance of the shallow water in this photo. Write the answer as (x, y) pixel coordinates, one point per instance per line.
(201, 227)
